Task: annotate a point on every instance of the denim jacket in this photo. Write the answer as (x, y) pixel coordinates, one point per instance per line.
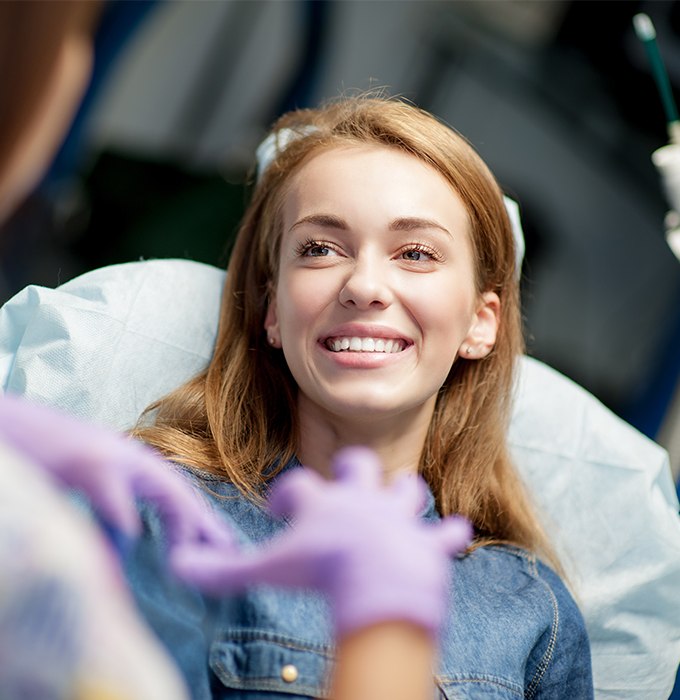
(513, 630)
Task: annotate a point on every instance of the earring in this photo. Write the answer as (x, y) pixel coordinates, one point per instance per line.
(468, 350)
(271, 340)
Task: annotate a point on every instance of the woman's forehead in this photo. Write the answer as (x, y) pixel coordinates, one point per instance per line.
(395, 180)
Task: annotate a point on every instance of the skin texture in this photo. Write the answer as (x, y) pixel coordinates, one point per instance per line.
(375, 244)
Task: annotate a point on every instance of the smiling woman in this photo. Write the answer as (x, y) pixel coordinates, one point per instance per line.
(371, 299)
(375, 255)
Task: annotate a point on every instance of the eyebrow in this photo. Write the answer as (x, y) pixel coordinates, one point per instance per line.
(323, 220)
(413, 223)
(405, 223)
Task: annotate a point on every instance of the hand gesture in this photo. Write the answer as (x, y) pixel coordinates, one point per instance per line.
(354, 539)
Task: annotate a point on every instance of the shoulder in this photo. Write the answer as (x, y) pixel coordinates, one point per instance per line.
(523, 573)
(516, 571)
(504, 573)
(517, 623)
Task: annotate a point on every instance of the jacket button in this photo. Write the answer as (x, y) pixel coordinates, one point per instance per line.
(289, 673)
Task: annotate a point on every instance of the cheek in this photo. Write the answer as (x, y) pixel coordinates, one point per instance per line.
(301, 301)
(444, 311)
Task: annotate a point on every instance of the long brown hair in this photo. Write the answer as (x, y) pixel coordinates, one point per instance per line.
(237, 419)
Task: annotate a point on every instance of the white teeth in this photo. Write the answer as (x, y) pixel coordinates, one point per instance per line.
(355, 344)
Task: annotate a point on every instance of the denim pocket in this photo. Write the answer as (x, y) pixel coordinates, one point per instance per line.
(258, 661)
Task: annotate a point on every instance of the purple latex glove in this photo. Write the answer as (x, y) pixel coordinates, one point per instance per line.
(111, 470)
(357, 541)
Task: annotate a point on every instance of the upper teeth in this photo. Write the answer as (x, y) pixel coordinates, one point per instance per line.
(355, 344)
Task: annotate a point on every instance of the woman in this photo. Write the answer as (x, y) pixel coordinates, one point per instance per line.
(371, 298)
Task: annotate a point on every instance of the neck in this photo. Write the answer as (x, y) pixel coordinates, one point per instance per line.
(398, 440)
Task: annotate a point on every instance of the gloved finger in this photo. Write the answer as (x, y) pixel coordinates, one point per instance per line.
(201, 526)
(181, 508)
(409, 493)
(358, 465)
(292, 490)
(198, 524)
(214, 531)
(205, 568)
(115, 504)
(38, 431)
(154, 480)
(454, 534)
(220, 571)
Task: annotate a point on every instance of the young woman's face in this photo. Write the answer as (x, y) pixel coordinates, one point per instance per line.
(376, 295)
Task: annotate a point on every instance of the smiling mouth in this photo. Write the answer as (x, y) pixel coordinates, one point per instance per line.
(355, 344)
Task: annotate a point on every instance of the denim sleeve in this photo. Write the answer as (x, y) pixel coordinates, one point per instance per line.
(560, 664)
(177, 614)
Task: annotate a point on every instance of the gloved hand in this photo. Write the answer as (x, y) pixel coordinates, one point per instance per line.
(111, 470)
(357, 541)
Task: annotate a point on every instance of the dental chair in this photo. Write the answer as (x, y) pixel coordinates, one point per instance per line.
(105, 345)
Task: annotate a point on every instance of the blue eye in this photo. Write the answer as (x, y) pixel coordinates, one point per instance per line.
(415, 254)
(315, 249)
(318, 251)
(420, 253)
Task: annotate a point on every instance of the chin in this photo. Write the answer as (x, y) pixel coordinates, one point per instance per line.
(369, 406)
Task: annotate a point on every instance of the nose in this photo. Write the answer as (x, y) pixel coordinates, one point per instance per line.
(366, 286)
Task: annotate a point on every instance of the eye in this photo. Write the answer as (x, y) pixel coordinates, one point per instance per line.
(420, 253)
(315, 249)
(414, 254)
(318, 251)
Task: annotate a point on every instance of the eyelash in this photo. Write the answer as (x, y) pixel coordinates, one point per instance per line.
(433, 253)
(302, 249)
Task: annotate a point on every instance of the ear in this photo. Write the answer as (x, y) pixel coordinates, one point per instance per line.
(482, 334)
(271, 323)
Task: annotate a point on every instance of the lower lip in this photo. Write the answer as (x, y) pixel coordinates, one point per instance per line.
(364, 360)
